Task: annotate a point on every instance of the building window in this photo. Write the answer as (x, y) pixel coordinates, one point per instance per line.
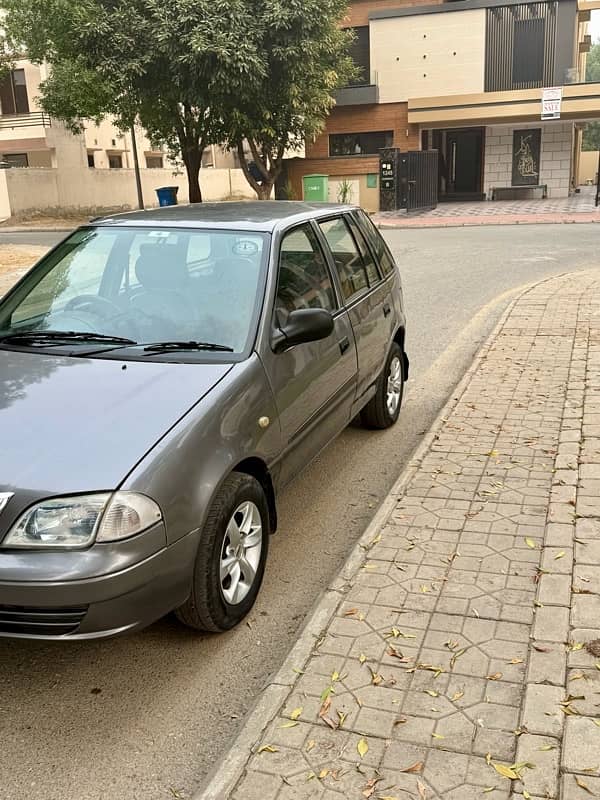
(360, 51)
(154, 162)
(16, 159)
(13, 93)
(359, 144)
(528, 51)
(115, 162)
(521, 46)
(91, 161)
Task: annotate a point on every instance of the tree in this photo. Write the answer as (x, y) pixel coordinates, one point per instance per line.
(591, 135)
(169, 65)
(305, 59)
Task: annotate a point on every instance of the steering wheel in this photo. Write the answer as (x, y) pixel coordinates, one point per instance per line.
(94, 304)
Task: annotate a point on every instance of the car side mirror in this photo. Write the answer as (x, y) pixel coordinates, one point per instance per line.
(303, 325)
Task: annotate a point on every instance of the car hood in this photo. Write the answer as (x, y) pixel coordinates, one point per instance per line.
(72, 425)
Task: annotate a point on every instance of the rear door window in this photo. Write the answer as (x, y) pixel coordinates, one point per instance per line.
(367, 256)
(376, 242)
(349, 264)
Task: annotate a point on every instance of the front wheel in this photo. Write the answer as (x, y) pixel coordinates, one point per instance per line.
(383, 410)
(231, 557)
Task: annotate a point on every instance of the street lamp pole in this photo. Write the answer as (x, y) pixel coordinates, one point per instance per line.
(136, 166)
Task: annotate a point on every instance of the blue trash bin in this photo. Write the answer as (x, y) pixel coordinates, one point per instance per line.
(167, 195)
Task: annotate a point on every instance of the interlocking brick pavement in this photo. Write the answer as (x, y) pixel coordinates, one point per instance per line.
(573, 209)
(458, 643)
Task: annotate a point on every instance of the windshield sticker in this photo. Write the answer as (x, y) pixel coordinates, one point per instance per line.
(245, 247)
(164, 236)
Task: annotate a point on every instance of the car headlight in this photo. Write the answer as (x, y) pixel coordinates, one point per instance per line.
(74, 522)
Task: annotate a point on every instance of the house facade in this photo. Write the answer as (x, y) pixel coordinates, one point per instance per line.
(467, 78)
(30, 138)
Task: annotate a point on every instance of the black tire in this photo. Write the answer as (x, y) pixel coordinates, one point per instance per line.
(376, 413)
(206, 609)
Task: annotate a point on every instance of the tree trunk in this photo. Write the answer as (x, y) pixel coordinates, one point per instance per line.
(264, 190)
(192, 158)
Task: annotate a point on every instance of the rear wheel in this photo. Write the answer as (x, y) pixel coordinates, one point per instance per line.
(383, 410)
(231, 557)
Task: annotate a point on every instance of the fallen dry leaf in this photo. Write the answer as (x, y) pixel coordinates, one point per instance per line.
(415, 768)
(296, 712)
(268, 748)
(422, 790)
(456, 655)
(495, 677)
(362, 747)
(583, 785)
(505, 771)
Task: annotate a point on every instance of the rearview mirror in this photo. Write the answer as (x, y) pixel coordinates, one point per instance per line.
(302, 326)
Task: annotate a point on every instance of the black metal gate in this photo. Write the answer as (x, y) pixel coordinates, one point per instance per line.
(408, 180)
(418, 183)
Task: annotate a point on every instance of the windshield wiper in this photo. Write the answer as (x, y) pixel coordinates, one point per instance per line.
(168, 347)
(43, 337)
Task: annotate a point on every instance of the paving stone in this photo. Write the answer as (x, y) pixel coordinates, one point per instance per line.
(542, 712)
(588, 528)
(587, 578)
(585, 610)
(548, 664)
(555, 590)
(551, 624)
(558, 560)
(560, 535)
(542, 780)
(581, 747)
(587, 551)
(581, 657)
(258, 786)
(586, 684)
(571, 791)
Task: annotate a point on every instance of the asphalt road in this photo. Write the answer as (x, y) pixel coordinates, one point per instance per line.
(148, 716)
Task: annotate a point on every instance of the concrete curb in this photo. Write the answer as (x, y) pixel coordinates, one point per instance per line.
(485, 222)
(221, 782)
(38, 230)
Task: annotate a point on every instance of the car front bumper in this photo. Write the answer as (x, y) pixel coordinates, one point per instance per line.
(129, 590)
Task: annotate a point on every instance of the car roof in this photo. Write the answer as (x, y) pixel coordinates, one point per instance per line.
(263, 215)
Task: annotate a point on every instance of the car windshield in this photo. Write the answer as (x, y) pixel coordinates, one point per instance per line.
(142, 285)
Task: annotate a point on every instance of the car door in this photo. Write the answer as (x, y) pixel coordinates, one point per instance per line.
(367, 299)
(314, 384)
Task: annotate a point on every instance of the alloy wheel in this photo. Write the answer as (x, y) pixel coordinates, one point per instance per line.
(394, 386)
(240, 553)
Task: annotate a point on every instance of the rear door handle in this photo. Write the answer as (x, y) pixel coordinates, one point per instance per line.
(344, 345)
(387, 310)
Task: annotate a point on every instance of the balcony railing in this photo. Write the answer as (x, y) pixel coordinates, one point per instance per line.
(360, 93)
(33, 119)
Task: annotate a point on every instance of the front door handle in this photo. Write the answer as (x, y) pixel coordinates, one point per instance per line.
(344, 345)
(387, 310)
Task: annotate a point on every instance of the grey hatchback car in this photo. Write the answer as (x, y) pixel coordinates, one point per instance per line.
(162, 375)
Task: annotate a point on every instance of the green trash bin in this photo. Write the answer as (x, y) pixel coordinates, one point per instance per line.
(316, 188)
